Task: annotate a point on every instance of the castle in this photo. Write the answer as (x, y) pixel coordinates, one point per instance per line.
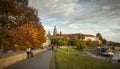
(93, 38)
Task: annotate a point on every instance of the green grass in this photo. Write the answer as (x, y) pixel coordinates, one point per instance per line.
(91, 47)
(66, 60)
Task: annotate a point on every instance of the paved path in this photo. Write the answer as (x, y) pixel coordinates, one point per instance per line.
(40, 61)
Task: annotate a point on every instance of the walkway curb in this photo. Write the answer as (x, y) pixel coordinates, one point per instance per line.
(7, 61)
(53, 61)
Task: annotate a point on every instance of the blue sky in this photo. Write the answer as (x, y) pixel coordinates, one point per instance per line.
(81, 16)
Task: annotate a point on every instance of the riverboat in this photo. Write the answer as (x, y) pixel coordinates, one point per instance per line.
(104, 51)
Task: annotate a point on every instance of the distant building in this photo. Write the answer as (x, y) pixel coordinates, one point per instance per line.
(91, 37)
(108, 43)
(87, 37)
(77, 36)
(55, 31)
(47, 43)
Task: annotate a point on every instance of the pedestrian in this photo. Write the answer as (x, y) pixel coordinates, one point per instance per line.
(52, 48)
(28, 51)
(31, 52)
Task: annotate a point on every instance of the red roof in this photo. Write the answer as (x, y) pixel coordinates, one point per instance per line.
(89, 35)
(73, 35)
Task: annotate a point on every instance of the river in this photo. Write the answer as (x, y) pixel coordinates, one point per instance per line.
(116, 55)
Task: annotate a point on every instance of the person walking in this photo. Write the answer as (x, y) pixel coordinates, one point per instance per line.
(28, 51)
(52, 48)
(31, 52)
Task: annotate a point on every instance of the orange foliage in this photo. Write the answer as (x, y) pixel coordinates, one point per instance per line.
(19, 26)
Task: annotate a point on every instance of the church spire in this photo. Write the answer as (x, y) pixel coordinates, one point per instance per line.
(55, 31)
(60, 32)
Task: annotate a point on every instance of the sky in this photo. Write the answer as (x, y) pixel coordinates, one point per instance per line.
(80, 16)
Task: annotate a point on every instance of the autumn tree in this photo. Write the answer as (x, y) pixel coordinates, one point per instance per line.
(7, 9)
(19, 25)
(38, 35)
(34, 34)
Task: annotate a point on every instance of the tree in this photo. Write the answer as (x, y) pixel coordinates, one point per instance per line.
(81, 45)
(65, 41)
(19, 26)
(89, 42)
(99, 36)
(104, 41)
(12, 16)
(82, 36)
(73, 41)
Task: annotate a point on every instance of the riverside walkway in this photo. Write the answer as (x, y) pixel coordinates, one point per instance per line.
(39, 61)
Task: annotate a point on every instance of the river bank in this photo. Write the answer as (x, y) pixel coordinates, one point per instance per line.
(116, 55)
(114, 59)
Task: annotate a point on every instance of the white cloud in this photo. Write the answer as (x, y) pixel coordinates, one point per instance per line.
(54, 8)
(112, 36)
(48, 28)
(106, 7)
(52, 19)
(81, 16)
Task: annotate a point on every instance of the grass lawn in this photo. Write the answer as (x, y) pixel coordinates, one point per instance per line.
(68, 60)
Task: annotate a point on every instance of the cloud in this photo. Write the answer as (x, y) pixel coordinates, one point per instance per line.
(87, 11)
(97, 12)
(81, 16)
(51, 19)
(112, 36)
(48, 28)
(54, 8)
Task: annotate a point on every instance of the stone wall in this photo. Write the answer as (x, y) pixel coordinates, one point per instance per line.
(7, 61)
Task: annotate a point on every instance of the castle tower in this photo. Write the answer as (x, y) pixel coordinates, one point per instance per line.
(55, 31)
(60, 32)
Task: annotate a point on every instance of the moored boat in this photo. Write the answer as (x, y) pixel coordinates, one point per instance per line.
(104, 51)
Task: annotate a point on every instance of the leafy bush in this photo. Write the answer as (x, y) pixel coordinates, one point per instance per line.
(81, 45)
